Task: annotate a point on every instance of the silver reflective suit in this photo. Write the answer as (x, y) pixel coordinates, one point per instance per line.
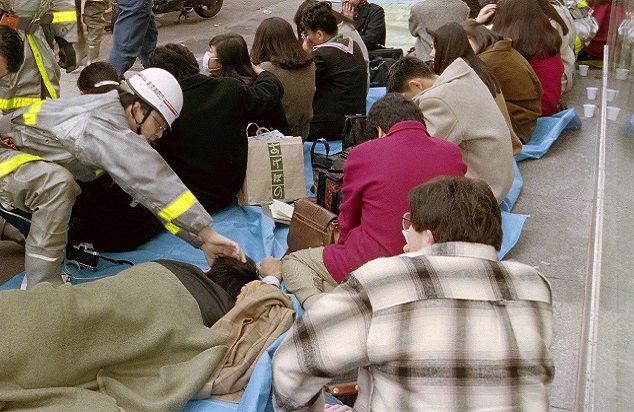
(39, 75)
(79, 138)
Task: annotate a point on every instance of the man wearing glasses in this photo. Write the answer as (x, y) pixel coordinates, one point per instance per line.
(443, 327)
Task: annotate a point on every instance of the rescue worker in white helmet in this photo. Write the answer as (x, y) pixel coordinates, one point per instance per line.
(38, 78)
(47, 145)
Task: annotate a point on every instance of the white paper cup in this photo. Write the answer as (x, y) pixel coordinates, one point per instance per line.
(583, 69)
(612, 94)
(588, 109)
(621, 74)
(613, 112)
(592, 92)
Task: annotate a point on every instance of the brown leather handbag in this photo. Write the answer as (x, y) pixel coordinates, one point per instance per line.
(311, 226)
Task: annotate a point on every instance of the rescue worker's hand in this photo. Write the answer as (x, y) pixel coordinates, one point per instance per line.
(214, 244)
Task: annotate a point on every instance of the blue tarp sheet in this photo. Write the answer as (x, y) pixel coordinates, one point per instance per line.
(259, 236)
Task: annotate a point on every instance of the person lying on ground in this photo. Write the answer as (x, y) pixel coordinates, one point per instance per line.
(148, 338)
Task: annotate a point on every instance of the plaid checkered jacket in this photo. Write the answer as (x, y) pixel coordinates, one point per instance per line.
(447, 328)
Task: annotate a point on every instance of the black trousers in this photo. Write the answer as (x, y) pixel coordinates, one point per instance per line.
(103, 215)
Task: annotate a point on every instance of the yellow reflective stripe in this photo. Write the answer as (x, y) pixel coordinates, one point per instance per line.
(30, 117)
(40, 66)
(98, 172)
(172, 228)
(17, 102)
(10, 165)
(178, 206)
(69, 16)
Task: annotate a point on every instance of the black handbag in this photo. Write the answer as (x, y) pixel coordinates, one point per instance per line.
(328, 176)
(386, 52)
(379, 67)
(354, 131)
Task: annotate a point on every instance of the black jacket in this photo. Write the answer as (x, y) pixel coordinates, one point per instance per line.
(207, 147)
(341, 88)
(370, 23)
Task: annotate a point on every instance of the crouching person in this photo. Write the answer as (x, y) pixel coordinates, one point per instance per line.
(48, 145)
(445, 326)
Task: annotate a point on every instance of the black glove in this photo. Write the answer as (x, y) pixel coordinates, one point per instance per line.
(67, 58)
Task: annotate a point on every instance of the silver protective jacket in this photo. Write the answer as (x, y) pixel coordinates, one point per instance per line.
(89, 135)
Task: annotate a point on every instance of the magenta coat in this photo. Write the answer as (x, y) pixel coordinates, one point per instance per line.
(378, 177)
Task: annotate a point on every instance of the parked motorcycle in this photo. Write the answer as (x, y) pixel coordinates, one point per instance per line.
(203, 8)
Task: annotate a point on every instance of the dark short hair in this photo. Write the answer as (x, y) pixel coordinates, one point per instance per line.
(297, 19)
(12, 48)
(177, 59)
(231, 274)
(457, 209)
(319, 17)
(390, 110)
(91, 75)
(404, 70)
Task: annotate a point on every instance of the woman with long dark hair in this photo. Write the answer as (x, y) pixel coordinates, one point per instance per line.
(450, 42)
(534, 37)
(228, 56)
(520, 85)
(276, 49)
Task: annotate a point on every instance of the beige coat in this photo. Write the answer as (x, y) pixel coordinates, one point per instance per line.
(459, 108)
(261, 314)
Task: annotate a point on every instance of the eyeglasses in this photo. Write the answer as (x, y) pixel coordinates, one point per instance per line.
(159, 124)
(406, 221)
(304, 35)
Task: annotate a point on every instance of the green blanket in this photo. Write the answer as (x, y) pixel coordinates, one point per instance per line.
(132, 342)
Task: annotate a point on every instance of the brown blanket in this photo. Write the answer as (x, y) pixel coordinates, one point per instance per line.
(133, 342)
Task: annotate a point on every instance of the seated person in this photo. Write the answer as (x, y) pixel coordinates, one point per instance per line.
(147, 338)
(431, 14)
(520, 85)
(369, 20)
(276, 49)
(438, 328)
(378, 175)
(341, 75)
(228, 56)
(345, 26)
(207, 147)
(458, 107)
(451, 42)
(535, 38)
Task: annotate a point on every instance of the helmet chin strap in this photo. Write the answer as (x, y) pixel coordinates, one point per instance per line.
(138, 125)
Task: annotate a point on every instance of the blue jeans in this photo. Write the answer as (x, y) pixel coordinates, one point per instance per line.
(134, 34)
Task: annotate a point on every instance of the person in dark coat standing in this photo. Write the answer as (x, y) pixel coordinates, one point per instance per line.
(369, 20)
(207, 147)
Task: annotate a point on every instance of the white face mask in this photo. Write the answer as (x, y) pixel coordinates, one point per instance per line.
(206, 57)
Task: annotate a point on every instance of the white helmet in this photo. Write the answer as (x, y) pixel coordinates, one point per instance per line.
(159, 89)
